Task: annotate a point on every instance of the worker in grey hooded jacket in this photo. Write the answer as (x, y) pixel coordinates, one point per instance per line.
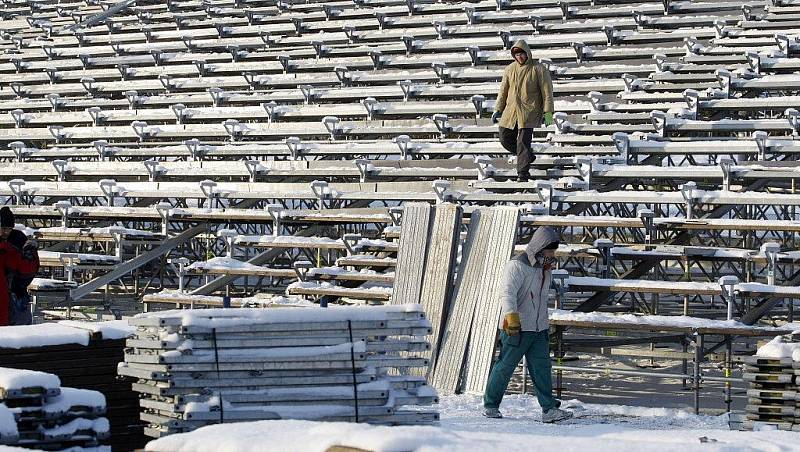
(524, 100)
(524, 295)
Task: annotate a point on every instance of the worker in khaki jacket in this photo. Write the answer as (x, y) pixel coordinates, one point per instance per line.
(524, 100)
(524, 293)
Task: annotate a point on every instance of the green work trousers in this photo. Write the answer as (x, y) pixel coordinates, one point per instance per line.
(535, 347)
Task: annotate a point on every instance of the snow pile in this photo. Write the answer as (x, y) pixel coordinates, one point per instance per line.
(595, 428)
(277, 301)
(70, 398)
(16, 379)
(45, 284)
(62, 333)
(370, 287)
(41, 335)
(223, 263)
(8, 425)
(780, 347)
(112, 329)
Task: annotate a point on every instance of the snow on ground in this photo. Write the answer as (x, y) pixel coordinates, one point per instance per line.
(462, 428)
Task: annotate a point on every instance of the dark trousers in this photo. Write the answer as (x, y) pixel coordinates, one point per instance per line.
(518, 141)
(20, 309)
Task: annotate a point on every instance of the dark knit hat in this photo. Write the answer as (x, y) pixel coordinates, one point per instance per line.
(6, 218)
(515, 50)
(551, 246)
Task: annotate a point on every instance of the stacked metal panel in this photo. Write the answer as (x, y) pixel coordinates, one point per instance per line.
(47, 416)
(92, 366)
(204, 367)
(772, 395)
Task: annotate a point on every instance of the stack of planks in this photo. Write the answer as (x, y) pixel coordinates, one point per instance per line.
(36, 412)
(426, 259)
(82, 355)
(773, 398)
(202, 367)
(469, 338)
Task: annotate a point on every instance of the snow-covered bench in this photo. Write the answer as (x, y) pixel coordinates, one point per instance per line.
(322, 289)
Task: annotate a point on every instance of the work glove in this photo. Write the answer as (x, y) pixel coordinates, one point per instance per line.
(496, 117)
(548, 118)
(511, 324)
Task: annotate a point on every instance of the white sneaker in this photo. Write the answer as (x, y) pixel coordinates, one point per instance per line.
(493, 413)
(555, 415)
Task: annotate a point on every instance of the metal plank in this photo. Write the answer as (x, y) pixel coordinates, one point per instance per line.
(487, 313)
(438, 278)
(410, 269)
(232, 358)
(447, 372)
(201, 345)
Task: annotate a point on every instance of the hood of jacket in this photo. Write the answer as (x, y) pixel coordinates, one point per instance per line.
(543, 236)
(521, 44)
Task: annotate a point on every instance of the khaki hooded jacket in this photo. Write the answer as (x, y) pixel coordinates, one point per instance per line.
(526, 92)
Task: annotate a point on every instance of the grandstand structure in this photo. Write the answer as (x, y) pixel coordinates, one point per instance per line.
(194, 153)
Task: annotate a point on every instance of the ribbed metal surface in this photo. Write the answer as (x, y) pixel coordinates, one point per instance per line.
(447, 373)
(467, 345)
(438, 278)
(487, 309)
(411, 254)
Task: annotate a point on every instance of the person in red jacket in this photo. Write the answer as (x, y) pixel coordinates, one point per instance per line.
(11, 261)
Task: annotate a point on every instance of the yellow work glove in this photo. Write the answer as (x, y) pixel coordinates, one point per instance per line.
(511, 324)
(548, 119)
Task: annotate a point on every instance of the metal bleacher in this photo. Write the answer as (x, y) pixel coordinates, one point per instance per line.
(181, 153)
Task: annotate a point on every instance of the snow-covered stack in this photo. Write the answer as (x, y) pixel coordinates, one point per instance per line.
(35, 411)
(201, 367)
(773, 397)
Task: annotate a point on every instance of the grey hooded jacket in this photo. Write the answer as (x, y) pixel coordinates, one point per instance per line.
(526, 286)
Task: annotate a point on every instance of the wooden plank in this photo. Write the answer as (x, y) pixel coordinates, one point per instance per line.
(410, 269)
(502, 233)
(439, 270)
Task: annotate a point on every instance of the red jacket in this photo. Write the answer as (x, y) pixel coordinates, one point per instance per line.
(11, 259)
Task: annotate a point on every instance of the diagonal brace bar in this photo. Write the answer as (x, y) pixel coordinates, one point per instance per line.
(133, 264)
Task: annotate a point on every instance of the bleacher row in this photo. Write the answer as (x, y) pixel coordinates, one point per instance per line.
(186, 151)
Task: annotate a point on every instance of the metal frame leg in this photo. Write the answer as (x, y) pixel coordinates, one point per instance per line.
(698, 357)
(728, 372)
(684, 361)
